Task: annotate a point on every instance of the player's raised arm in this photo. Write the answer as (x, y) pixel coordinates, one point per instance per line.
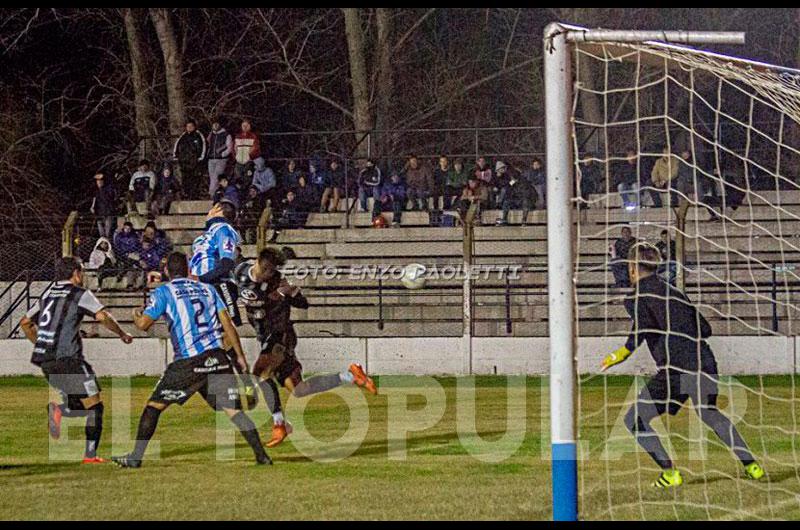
(142, 321)
(28, 322)
(110, 323)
(28, 328)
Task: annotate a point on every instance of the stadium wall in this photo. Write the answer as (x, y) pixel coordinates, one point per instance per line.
(429, 355)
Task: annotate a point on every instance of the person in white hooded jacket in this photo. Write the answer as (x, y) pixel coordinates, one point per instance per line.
(102, 260)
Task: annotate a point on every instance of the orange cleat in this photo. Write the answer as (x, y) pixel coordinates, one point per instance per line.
(54, 420)
(279, 433)
(360, 378)
(95, 460)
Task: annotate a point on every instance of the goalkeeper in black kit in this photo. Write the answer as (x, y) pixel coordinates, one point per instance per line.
(676, 335)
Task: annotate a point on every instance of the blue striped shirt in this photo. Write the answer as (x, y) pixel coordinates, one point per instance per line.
(192, 312)
(218, 241)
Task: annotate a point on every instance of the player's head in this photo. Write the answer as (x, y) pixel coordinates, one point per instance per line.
(267, 264)
(665, 235)
(643, 261)
(69, 269)
(228, 210)
(177, 265)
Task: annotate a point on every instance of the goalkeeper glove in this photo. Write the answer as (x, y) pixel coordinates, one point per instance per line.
(615, 358)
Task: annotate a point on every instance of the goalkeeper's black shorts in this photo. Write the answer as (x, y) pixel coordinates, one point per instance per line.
(671, 387)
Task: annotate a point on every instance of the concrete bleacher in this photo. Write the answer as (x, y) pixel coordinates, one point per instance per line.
(727, 269)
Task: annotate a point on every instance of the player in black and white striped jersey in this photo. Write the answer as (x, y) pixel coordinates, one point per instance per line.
(53, 326)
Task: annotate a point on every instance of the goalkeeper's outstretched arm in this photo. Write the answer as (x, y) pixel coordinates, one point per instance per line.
(643, 319)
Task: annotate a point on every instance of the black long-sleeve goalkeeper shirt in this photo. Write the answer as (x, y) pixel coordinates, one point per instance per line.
(674, 329)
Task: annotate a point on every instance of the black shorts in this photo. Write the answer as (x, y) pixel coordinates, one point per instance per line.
(670, 388)
(279, 362)
(211, 374)
(230, 294)
(73, 378)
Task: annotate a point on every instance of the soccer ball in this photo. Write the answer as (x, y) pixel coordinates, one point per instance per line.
(413, 276)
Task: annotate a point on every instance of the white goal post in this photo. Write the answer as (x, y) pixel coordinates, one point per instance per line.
(560, 164)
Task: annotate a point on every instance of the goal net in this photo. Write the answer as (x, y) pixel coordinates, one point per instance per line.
(698, 154)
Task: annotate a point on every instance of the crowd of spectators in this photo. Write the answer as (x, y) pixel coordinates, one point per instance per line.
(232, 166)
(129, 254)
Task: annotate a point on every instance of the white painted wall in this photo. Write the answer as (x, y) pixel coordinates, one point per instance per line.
(428, 355)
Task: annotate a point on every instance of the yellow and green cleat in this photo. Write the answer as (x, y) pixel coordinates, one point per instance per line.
(754, 471)
(669, 478)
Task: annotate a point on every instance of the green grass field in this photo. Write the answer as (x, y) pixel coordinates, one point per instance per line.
(443, 471)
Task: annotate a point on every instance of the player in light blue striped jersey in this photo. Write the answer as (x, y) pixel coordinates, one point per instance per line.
(213, 255)
(200, 327)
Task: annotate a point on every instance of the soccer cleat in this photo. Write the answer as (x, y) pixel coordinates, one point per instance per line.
(361, 379)
(94, 460)
(264, 460)
(754, 471)
(54, 420)
(279, 433)
(670, 478)
(126, 461)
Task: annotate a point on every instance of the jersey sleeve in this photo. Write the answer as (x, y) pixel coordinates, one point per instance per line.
(157, 304)
(89, 304)
(226, 242)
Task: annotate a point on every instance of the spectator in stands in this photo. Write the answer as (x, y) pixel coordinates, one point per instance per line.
(419, 184)
(393, 196)
(628, 175)
(619, 257)
(246, 148)
(483, 172)
(590, 180)
(168, 189)
(536, 177)
(517, 193)
(226, 190)
(104, 206)
(319, 179)
(454, 184)
(140, 189)
(126, 249)
(439, 181)
(733, 193)
(664, 172)
(157, 237)
(333, 194)
(250, 213)
(292, 213)
(370, 181)
(307, 198)
(220, 148)
(103, 261)
(685, 182)
(190, 151)
(666, 247)
(474, 193)
(290, 176)
(264, 180)
(502, 174)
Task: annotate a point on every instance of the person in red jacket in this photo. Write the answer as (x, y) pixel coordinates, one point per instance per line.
(246, 148)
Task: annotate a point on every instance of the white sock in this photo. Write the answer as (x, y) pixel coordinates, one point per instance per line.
(346, 377)
(277, 418)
